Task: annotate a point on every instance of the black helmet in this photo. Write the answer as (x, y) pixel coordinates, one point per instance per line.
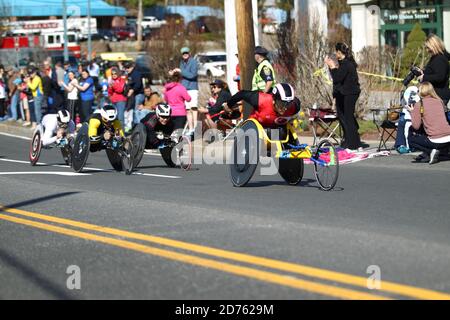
(261, 51)
(284, 92)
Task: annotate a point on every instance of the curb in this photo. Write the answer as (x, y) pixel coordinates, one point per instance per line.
(16, 129)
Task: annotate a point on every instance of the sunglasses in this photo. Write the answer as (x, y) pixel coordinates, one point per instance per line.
(164, 118)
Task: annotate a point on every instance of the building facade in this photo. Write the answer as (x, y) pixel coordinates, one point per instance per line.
(389, 22)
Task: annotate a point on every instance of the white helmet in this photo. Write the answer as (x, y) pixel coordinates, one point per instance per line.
(63, 116)
(284, 92)
(108, 112)
(163, 110)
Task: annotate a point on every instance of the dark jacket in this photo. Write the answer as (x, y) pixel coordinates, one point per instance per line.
(345, 79)
(135, 80)
(437, 72)
(224, 96)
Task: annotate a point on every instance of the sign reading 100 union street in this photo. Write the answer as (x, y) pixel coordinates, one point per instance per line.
(410, 14)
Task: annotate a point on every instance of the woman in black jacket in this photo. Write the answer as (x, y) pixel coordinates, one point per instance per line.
(437, 70)
(346, 91)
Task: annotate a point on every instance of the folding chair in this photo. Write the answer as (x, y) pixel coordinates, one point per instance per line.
(387, 126)
(326, 120)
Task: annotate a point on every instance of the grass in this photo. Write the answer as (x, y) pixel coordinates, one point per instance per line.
(366, 126)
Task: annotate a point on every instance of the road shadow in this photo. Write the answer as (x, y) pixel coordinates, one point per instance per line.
(305, 183)
(32, 276)
(41, 199)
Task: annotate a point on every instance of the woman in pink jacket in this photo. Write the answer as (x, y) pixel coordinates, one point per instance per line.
(116, 94)
(175, 94)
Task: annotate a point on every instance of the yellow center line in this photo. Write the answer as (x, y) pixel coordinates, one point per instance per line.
(404, 290)
(270, 277)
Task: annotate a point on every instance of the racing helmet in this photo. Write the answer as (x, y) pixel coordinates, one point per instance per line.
(108, 112)
(63, 117)
(163, 110)
(284, 92)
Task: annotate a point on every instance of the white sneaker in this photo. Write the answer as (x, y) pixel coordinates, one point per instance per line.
(26, 123)
(434, 156)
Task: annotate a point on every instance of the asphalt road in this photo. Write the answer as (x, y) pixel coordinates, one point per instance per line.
(171, 234)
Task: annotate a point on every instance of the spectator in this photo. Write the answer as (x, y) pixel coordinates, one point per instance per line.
(34, 83)
(237, 77)
(2, 99)
(429, 113)
(116, 94)
(176, 95)
(86, 88)
(72, 93)
(437, 70)
(264, 76)
(189, 73)
(13, 81)
(94, 71)
(151, 99)
(59, 71)
(136, 89)
(346, 91)
(26, 98)
(222, 93)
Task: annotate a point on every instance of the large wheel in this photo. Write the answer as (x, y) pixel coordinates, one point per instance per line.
(166, 154)
(184, 153)
(245, 154)
(80, 150)
(138, 137)
(115, 159)
(35, 147)
(291, 170)
(127, 155)
(326, 165)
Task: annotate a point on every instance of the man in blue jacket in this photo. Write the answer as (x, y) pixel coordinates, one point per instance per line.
(189, 72)
(136, 89)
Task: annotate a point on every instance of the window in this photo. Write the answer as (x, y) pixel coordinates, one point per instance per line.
(51, 39)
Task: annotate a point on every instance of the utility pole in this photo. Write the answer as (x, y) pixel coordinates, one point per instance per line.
(139, 27)
(66, 48)
(89, 57)
(246, 45)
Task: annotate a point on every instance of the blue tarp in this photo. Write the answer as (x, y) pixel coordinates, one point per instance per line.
(45, 8)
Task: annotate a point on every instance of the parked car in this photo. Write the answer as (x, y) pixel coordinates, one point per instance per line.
(271, 28)
(212, 64)
(105, 34)
(206, 24)
(125, 33)
(152, 22)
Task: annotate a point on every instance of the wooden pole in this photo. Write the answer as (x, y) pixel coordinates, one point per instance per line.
(246, 46)
(139, 27)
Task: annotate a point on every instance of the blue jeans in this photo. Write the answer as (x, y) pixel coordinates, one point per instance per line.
(137, 116)
(140, 114)
(14, 105)
(38, 108)
(120, 106)
(400, 140)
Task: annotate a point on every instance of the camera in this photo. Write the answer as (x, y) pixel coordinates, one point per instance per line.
(413, 72)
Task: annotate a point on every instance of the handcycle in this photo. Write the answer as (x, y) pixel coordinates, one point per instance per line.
(251, 137)
(65, 144)
(176, 147)
(120, 151)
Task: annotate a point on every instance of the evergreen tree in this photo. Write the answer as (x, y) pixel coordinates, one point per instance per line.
(413, 53)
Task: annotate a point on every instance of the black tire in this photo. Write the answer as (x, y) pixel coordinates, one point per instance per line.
(184, 153)
(291, 170)
(127, 155)
(35, 147)
(80, 150)
(166, 154)
(115, 159)
(245, 154)
(139, 138)
(326, 171)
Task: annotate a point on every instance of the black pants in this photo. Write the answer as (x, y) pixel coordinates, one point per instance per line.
(2, 108)
(70, 106)
(85, 110)
(422, 143)
(345, 107)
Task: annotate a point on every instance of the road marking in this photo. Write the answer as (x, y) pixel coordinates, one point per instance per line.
(55, 173)
(93, 169)
(265, 276)
(404, 290)
(14, 136)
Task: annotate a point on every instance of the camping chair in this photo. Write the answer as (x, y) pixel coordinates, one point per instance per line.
(386, 121)
(325, 121)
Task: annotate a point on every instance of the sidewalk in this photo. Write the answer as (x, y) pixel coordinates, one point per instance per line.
(15, 128)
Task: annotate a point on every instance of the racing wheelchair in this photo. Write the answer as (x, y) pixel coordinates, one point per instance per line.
(65, 145)
(121, 151)
(250, 139)
(176, 150)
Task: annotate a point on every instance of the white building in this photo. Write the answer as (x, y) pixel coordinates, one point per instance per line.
(388, 22)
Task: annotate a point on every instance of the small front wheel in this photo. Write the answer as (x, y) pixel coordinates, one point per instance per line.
(35, 147)
(326, 165)
(184, 153)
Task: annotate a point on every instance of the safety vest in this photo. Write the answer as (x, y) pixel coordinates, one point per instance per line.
(258, 83)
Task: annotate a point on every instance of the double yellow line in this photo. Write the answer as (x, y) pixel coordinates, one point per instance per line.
(285, 278)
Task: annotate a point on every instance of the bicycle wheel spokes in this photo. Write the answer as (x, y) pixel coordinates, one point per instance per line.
(326, 165)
